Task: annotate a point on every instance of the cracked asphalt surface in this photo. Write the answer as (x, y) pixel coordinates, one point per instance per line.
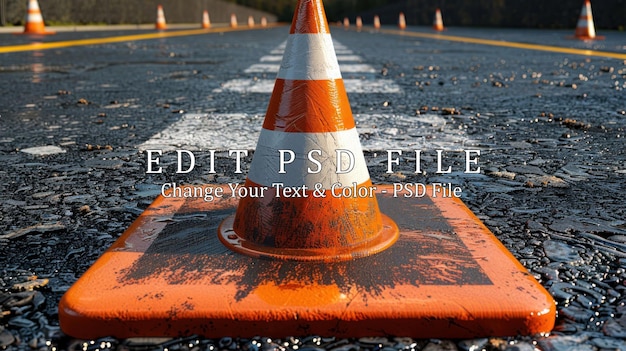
(550, 127)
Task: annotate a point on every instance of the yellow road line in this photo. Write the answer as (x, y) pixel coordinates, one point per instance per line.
(509, 44)
(123, 38)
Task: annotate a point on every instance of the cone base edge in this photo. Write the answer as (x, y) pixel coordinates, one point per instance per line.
(387, 236)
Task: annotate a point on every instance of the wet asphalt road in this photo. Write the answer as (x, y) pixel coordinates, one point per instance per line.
(551, 128)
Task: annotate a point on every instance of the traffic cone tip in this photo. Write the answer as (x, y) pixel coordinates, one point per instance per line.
(309, 18)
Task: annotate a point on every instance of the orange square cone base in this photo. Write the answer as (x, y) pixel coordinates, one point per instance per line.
(169, 275)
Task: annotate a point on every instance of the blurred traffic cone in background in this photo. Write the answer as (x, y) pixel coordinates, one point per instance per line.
(438, 22)
(160, 21)
(309, 114)
(346, 22)
(401, 21)
(34, 20)
(359, 23)
(585, 29)
(250, 21)
(376, 22)
(206, 21)
(233, 20)
(263, 21)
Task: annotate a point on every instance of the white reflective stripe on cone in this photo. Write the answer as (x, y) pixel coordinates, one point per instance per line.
(307, 57)
(265, 165)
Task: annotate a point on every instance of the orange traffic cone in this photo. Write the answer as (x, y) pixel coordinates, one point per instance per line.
(438, 22)
(585, 29)
(263, 21)
(324, 213)
(376, 22)
(250, 21)
(346, 22)
(206, 21)
(401, 21)
(160, 21)
(34, 20)
(233, 20)
(359, 22)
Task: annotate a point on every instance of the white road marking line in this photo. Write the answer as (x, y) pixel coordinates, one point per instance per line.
(348, 63)
(356, 68)
(262, 68)
(273, 58)
(358, 86)
(273, 68)
(279, 58)
(377, 132)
